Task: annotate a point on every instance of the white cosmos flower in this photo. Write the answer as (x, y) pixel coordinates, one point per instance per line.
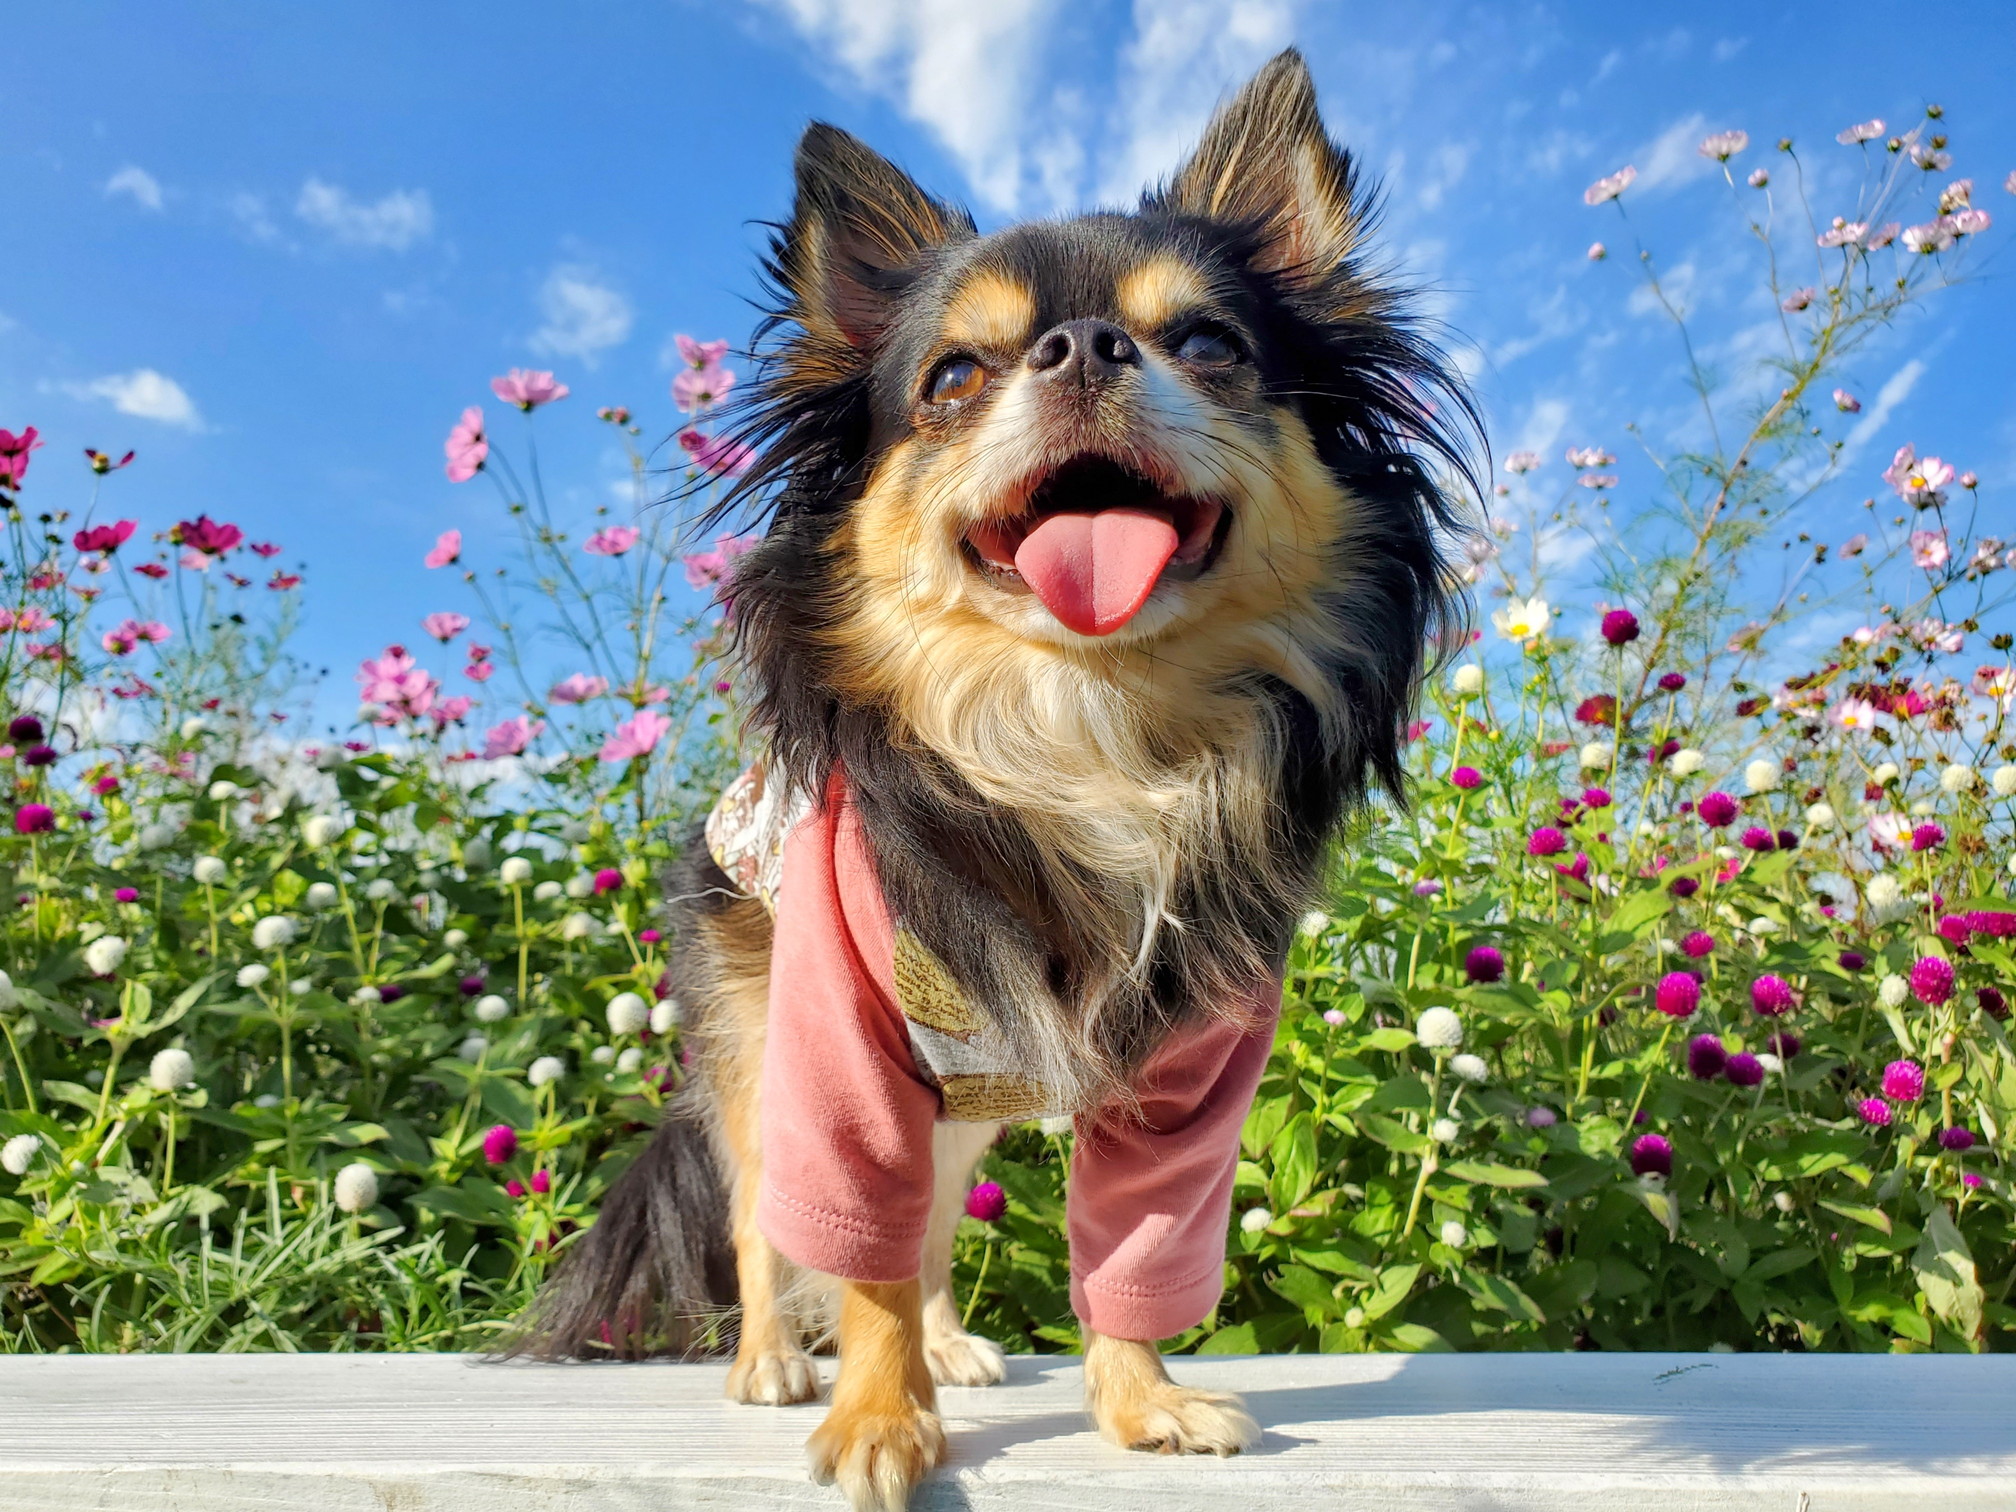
(515, 871)
(171, 1070)
(209, 870)
(1454, 1234)
(1686, 762)
(1762, 775)
(1468, 680)
(548, 1068)
(1253, 1220)
(254, 974)
(628, 1013)
(1523, 619)
(193, 726)
(272, 932)
(104, 954)
(320, 895)
(19, 1153)
(1439, 1029)
(356, 1187)
(491, 1009)
(1958, 778)
(318, 830)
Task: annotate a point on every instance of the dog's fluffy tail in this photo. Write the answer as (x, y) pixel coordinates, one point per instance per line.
(656, 1273)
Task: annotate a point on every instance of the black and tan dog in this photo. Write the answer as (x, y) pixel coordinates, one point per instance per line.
(1100, 568)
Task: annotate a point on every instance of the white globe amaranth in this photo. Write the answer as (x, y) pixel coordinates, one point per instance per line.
(19, 1153)
(1445, 1131)
(1470, 1068)
(1891, 991)
(381, 890)
(628, 1013)
(492, 1009)
(1454, 1234)
(1821, 816)
(266, 1100)
(319, 830)
(209, 870)
(665, 1016)
(1885, 897)
(301, 986)
(1763, 926)
(321, 896)
(1468, 680)
(104, 954)
(547, 891)
(193, 726)
(1253, 1220)
(364, 996)
(1314, 923)
(578, 926)
(581, 885)
(1354, 1317)
(223, 790)
(477, 855)
(356, 1187)
(546, 1069)
(2004, 781)
(1958, 778)
(1595, 756)
(630, 1059)
(1439, 1029)
(455, 939)
(472, 1048)
(1686, 762)
(1771, 1064)
(273, 931)
(156, 836)
(603, 1055)
(515, 872)
(1763, 775)
(1923, 809)
(254, 974)
(171, 1070)
(1884, 774)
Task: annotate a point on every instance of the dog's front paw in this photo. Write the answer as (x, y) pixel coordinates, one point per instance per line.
(876, 1456)
(958, 1358)
(1172, 1419)
(773, 1378)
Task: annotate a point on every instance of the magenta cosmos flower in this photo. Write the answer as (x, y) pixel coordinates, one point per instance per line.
(1484, 963)
(636, 736)
(1706, 1057)
(987, 1202)
(1620, 627)
(500, 1143)
(1932, 980)
(34, 819)
(447, 549)
(1678, 994)
(612, 540)
(528, 388)
(1652, 1155)
(1716, 809)
(1903, 1081)
(14, 455)
(1771, 996)
(1546, 841)
(206, 535)
(467, 446)
(104, 538)
(1467, 778)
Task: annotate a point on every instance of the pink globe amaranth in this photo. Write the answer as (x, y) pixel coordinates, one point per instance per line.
(1706, 1057)
(1993, 926)
(542, 1182)
(1875, 1112)
(1904, 1081)
(1954, 929)
(1744, 1069)
(987, 1202)
(1697, 943)
(1927, 837)
(608, 879)
(1758, 838)
(1772, 995)
(1541, 1117)
(1672, 682)
(1484, 963)
(1678, 994)
(514, 1188)
(1596, 798)
(1970, 1179)
(34, 819)
(1620, 627)
(1956, 1140)
(1652, 1155)
(1546, 841)
(1932, 980)
(500, 1143)
(1466, 778)
(1716, 809)
(127, 894)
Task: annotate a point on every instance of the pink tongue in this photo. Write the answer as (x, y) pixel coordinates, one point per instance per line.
(1095, 571)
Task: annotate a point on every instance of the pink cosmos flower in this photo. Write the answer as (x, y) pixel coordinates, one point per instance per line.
(1858, 543)
(700, 354)
(1724, 145)
(1589, 456)
(1610, 186)
(1597, 251)
(14, 455)
(1918, 480)
(194, 560)
(718, 456)
(636, 736)
(447, 549)
(1797, 300)
(467, 447)
(281, 581)
(206, 536)
(1882, 236)
(1928, 548)
(611, 540)
(445, 625)
(452, 710)
(151, 569)
(699, 388)
(1759, 178)
(710, 569)
(1522, 462)
(104, 538)
(1968, 222)
(1866, 131)
(479, 671)
(1889, 831)
(32, 619)
(1933, 236)
(264, 549)
(396, 683)
(511, 737)
(527, 388)
(1855, 714)
(578, 688)
(1843, 233)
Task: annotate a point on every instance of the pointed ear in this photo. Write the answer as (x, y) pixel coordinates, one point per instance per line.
(1265, 161)
(858, 231)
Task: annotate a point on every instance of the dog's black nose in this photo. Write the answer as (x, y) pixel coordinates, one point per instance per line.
(1083, 352)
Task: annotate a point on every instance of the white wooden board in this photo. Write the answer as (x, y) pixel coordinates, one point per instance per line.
(1482, 1433)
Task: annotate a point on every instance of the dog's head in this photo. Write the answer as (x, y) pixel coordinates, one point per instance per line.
(1199, 434)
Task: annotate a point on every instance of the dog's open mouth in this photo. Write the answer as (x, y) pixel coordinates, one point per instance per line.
(1094, 539)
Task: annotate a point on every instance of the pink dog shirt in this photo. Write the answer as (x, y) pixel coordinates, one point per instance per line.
(869, 1044)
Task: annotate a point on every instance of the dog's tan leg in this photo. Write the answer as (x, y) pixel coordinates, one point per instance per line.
(882, 1436)
(1137, 1406)
(956, 1357)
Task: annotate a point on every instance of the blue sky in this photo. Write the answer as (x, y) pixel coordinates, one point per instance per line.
(278, 248)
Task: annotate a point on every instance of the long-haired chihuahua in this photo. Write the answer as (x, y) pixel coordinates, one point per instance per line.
(1103, 558)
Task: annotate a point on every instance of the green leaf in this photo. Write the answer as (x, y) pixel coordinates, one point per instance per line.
(1306, 1290)
(1875, 1218)
(1493, 1175)
(1389, 1039)
(1395, 1282)
(1637, 913)
(483, 1202)
(1412, 1338)
(1945, 1272)
(1294, 1157)
(1779, 1262)
(1504, 1295)
(1395, 1135)
(1236, 1340)
(1664, 1206)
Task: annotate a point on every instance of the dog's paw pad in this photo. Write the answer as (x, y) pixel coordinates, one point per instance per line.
(960, 1359)
(876, 1458)
(773, 1378)
(1175, 1419)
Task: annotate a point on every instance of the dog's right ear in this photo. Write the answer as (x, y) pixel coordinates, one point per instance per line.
(858, 233)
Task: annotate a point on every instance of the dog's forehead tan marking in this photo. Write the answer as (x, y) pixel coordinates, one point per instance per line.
(991, 309)
(1163, 287)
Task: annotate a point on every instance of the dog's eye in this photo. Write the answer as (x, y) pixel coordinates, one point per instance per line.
(1211, 346)
(956, 378)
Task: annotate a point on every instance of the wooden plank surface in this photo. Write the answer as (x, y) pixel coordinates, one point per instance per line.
(1482, 1433)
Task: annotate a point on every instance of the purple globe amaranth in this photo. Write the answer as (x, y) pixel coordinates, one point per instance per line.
(1484, 963)
(1783, 1044)
(1684, 887)
(1672, 682)
(24, 729)
(1932, 980)
(1758, 838)
(1706, 1057)
(1620, 627)
(1787, 841)
(987, 1202)
(1956, 1140)
(1546, 841)
(1772, 995)
(1875, 1112)
(391, 992)
(38, 756)
(1541, 1117)
(1852, 960)
(471, 986)
(1716, 809)
(1652, 1155)
(1992, 1002)
(1904, 1081)
(1744, 1069)
(1678, 994)
(1466, 778)
(1697, 943)
(500, 1143)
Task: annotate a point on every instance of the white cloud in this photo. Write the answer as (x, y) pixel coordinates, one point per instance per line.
(144, 188)
(394, 223)
(583, 316)
(1893, 393)
(1673, 157)
(142, 393)
(1544, 425)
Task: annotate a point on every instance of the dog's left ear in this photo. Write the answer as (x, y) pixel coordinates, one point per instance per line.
(1267, 163)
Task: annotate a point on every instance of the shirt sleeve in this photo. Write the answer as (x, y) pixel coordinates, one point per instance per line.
(1151, 1194)
(846, 1118)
